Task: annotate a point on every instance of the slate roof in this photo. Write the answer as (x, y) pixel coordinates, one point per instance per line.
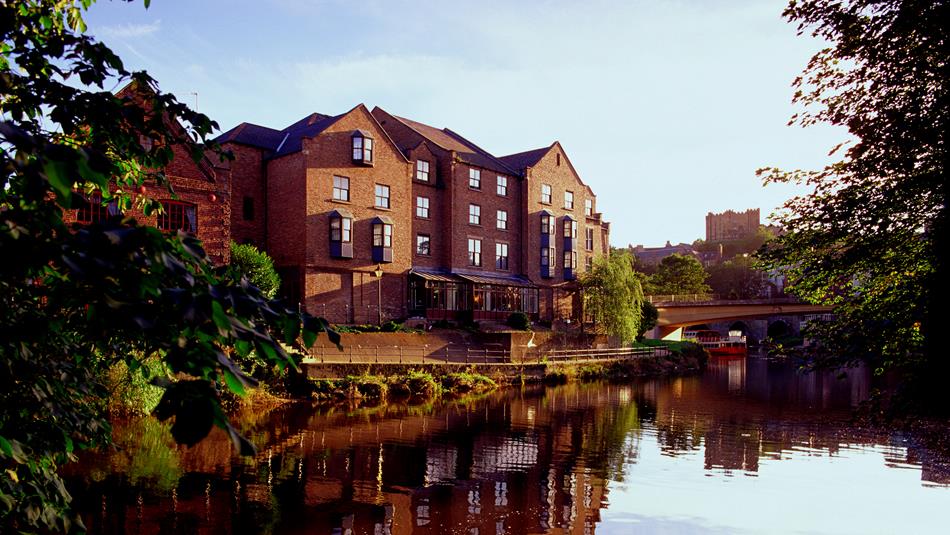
(278, 142)
(522, 160)
(466, 151)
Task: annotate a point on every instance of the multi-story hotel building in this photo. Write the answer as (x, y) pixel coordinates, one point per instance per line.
(372, 216)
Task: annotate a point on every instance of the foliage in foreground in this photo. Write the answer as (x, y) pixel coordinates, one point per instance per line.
(74, 302)
(871, 237)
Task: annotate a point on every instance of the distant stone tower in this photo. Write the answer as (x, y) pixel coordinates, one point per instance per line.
(731, 225)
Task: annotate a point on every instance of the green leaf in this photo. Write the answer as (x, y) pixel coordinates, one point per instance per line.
(6, 447)
(220, 318)
(234, 383)
(58, 176)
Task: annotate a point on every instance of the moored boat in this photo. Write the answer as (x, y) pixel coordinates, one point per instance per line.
(733, 345)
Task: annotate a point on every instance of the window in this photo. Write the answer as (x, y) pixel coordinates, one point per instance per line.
(547, 223)
(570, 259)
(178, 216)
(547, 255)
(589, 239)
(382, 235)
(589, 207)
(474, 214)
(570, 228)
(501, 221)
(422, 170)
(501, 256)
(247, 209)
(474, 179)
(362, 148)
(382, 196)
(474, 252)
(382, 239)
(341, 234)
(341, 188)
(503, 186)
(91, 209)
(569, 200)
(546, 193)
(589, 264)
(422, 244)
(422, 207)
(341, 229)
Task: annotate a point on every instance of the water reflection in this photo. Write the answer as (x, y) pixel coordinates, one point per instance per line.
(541, 460)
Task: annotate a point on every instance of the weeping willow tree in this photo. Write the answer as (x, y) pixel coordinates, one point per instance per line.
(613, 296)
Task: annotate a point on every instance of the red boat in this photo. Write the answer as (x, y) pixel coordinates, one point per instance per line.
(733, 345)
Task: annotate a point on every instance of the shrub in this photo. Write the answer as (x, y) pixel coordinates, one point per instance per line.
(257, 266)
(420, 383)
(519, 320)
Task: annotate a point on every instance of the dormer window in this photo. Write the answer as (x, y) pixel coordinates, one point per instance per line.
(341, 234)
(382, 239)
(362, 147)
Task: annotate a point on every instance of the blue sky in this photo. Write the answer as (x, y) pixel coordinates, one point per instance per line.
(665, 108)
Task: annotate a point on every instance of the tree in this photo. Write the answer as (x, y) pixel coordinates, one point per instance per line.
(871, 237)
(612, 295)
(677, 275)
(257, 266)
(649, 315)
(737, 278)
(76, 300)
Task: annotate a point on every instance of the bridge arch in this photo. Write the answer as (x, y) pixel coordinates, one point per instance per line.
(779, 328)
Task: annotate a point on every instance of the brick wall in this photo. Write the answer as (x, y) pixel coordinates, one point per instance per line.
(247, 186)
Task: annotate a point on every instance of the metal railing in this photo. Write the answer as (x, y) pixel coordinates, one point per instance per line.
(708, 298)
(472, 355)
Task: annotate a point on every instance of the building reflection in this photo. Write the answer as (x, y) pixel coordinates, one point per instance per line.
(531, 461)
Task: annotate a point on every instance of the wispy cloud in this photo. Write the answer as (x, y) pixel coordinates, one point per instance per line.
(128, 31)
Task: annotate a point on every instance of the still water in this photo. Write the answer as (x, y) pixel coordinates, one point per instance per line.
(750, 446)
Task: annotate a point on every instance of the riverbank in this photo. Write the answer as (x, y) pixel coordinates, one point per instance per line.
(379, 381)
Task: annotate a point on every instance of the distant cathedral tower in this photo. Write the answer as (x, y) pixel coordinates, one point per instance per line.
(731, 225)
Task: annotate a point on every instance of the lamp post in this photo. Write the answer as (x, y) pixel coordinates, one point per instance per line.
(378, 273)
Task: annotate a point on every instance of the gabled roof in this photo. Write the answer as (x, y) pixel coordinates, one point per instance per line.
(465, 150)
(522, 160)
(254, 135)
(309, 126)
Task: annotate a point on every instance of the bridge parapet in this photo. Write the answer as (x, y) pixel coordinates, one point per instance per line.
(716, 300)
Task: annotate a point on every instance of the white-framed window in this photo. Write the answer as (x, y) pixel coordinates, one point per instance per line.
(422, 170)
(546, 193)
(474, 252)
(382, 196)
(341, 188)
(570, 259)
(501, 256)
(547, 223)
(423, 245)
(569, 200)
(589, 239)
(382, 235)
(570, 228)
(474, 214)
(475, 178)
(362, 148)
(548, 254)
(589, 264)
(588, 207)
(502, 186)
(501, 220)
(341, 229)
(422, 207)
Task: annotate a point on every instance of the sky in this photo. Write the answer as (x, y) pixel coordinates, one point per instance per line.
(666, 109)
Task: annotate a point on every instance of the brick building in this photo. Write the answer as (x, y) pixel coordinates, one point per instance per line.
(369, 216)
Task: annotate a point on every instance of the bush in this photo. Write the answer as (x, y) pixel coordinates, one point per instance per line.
(519, 320)
(461, 383)
(257, 266)
(420, 383)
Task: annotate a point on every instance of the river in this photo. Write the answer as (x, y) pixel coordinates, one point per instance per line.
(749, 446)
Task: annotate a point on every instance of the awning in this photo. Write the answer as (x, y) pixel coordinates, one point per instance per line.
(497, 281)
(435, 276)
(341, 212)
(383, 219)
